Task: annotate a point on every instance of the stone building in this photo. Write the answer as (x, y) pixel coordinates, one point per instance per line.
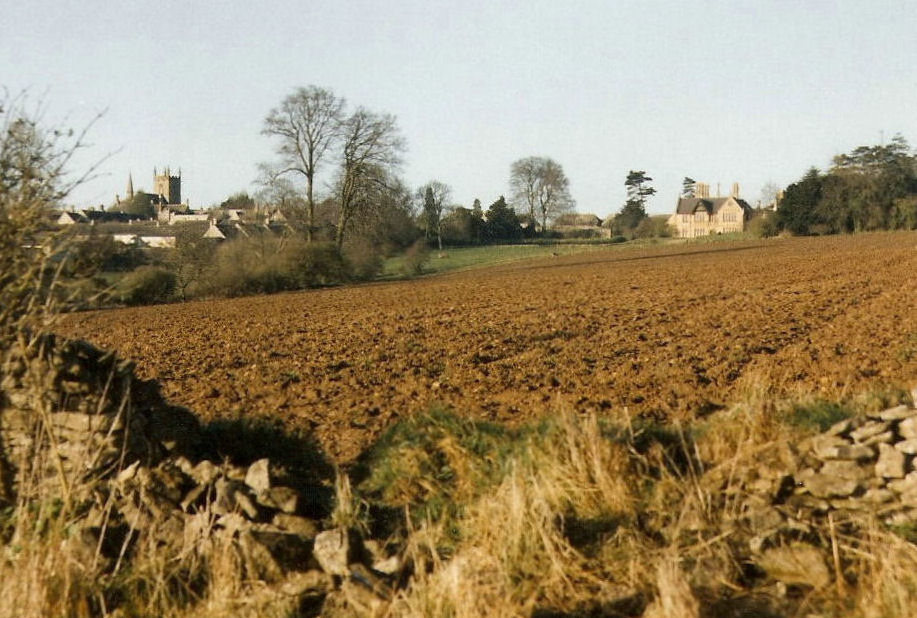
(702, 215)
(167, 187)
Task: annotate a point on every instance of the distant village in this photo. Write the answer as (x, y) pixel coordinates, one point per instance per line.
(169, 216)
(696, 215)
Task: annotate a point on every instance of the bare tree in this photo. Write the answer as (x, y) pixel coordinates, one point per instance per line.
(769, 193)
(523, 179)
(371, 150)
(307, 123)
(280, 193)
(540, 185)
(433, 198)
(34, 179)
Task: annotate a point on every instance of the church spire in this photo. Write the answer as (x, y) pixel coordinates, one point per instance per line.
(130, 186)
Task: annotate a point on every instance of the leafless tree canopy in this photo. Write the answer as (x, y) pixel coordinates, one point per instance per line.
(307, 123)
(541, 188)
(34, 178)
(371, 149)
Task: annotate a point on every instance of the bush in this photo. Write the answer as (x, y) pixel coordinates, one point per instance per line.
(267, 264)
(316, 264)
(656, 226)
(817, 415)
(364, 260)
(415, 258)
(147, 285)
(618, 239)
(764, 226)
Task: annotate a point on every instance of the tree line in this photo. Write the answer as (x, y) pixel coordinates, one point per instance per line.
(869, 188)
(356, 156)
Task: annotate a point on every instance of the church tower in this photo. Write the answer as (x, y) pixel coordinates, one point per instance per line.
(130, 187)
(167, 185)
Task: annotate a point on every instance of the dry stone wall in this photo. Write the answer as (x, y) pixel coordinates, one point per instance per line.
(860, 471)
(862, 465)
(76, 423)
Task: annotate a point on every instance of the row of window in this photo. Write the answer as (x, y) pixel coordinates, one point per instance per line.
(700, 215)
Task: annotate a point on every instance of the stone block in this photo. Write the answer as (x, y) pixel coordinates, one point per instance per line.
(878, 496)
(845, 469)
(886, 437)
(294, 524)
(257, 558)
(840, 428)
(823, 445)
(258, 476)
(853, 452)
(869, 430)
(824, 486)
(908, 483)
(283, 499)
(907, 428)
(332, 550)
(891, 462)
(290, 551)
(909, 497)
(908, 447)
(898, 413)
(204, 473)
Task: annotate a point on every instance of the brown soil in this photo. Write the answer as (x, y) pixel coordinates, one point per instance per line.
(668, 332)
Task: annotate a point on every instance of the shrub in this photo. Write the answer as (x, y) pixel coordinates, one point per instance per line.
(147, 285)
(818, 415)
(364, 260)
(415, 258)
(618, 239)
(763, 227)
(656, 226)
(315, 264)
(264, 265)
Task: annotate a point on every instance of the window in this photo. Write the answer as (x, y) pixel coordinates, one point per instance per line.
(700, 215)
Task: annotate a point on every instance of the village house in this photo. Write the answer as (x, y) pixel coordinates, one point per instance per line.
(702, 215)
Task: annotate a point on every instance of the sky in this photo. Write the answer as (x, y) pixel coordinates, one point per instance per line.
(743, 91)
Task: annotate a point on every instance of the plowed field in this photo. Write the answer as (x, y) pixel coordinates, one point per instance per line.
(671, 331)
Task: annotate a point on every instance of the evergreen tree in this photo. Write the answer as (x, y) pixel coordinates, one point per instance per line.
(797, 211)
(502, 222)
(633, 212)
(476, 209)
(688, 186)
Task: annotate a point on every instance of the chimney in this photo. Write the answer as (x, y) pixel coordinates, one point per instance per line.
(735, 190)
(718, 189)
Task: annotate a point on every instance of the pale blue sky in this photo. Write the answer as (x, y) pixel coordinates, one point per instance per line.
(720, 91)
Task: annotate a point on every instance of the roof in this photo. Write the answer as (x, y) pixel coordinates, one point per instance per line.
(688, 205)
(112, 216)
(150, 228)
(574, 219)
(214, 232)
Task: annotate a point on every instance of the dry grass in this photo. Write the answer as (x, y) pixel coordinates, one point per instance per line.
(513, 553)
